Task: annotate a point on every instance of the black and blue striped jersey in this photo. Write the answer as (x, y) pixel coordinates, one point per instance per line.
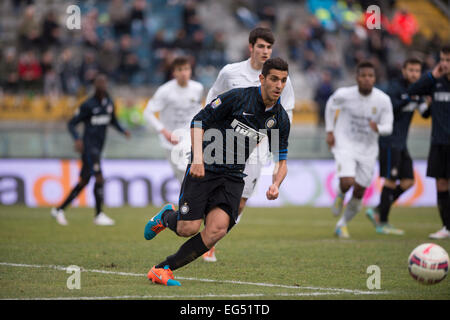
(234, 123)
(439, 90)
(403, 106)
(96, 115)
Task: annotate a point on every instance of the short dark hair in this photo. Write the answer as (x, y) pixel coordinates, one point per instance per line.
(263, 33)
(179, 61)
(446, 49)
(365, 64)
(412, 60)
(274, 63)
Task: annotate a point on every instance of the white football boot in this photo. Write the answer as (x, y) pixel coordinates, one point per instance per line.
(103, 220)
(59, 216)
(440, 234)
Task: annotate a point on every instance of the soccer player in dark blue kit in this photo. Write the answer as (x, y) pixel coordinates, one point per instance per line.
(395, 161)
(223, 134)
(437, 84)
(96, 113)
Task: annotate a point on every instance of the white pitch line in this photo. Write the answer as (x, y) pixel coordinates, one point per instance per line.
(260, 284)
(243, 295)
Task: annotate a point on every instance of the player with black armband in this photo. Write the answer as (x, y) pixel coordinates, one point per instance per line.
(437, 84)
(223, 135)
(96, 113)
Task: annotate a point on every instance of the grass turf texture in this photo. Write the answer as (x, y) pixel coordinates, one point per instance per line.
(292, 246)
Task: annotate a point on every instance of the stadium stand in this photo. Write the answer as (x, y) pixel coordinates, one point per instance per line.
(46, 69)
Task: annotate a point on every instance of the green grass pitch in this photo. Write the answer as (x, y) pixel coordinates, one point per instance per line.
(274, 253)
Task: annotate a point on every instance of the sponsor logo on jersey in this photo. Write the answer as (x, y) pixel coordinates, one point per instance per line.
(245, 130)
(109, 108)
(374, 110)
(100, 120)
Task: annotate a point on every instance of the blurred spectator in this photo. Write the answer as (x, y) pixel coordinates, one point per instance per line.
(9, 75)
(181, 40)
(404, 25)
(47, 61)
(17, 4)
(51, 31)
(119, 14)
(216, 50)
(69, 73)
(108, 59)
(89, 30)
(266, 11)
(191, 20)
(138, 11)
(28, 30)
(52, 84)
(89, 68)
(323, 91)
(354, 51)
(128, 60)
(30, 71)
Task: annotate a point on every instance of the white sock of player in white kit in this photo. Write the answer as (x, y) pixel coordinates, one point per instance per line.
(352, 208)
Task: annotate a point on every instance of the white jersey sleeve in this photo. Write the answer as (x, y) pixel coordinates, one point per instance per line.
(385, 125)
(155, 104)
(334, 103)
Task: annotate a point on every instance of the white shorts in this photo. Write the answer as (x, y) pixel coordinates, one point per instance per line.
(253, 168)
(253, 171)
(349, 165)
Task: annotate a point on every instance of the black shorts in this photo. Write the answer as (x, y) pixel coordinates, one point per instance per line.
(439, 161)
(395, 164)
(199, 196)
(90, 165)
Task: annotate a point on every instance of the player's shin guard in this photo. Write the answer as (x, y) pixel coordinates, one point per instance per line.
(443, 200)
(98, 194)
(188, 252)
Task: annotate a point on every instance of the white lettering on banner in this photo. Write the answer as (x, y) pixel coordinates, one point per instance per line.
(138, 183)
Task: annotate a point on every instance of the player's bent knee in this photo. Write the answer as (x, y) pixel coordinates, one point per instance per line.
(346, 183)
(213, 234)
(187, 228)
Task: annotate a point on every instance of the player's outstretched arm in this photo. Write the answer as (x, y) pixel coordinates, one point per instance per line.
(279, 174)
(116, 124)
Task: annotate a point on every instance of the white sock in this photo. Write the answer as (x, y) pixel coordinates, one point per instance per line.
(352, 208)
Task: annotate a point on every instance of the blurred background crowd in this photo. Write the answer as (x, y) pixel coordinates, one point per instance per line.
(134, 42)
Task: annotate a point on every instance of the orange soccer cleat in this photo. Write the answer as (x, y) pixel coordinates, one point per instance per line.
(210, 255)
(162, 276)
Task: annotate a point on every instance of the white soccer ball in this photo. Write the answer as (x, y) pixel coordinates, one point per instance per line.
(428, 263)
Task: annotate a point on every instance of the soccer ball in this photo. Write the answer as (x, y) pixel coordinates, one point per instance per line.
(428, 263)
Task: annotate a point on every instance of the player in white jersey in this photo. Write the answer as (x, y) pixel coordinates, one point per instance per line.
(246, 74)
(365, 113)
(177, 101)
